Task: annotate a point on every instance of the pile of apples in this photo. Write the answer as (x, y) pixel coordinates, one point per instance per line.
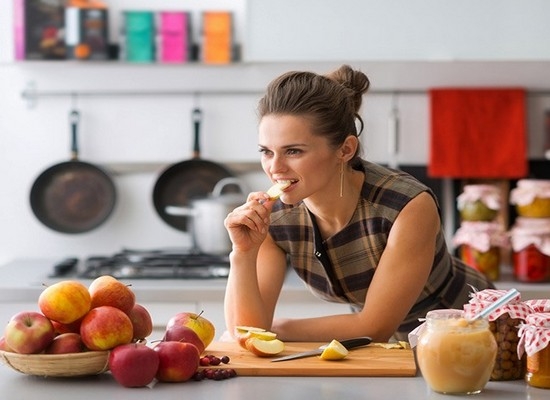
(104, 316)
(74, 318)
(176, 358)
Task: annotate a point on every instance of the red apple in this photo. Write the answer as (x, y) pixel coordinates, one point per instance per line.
(109, 291)
(65, 301)
(29, 332)
(106, 327)
(178, 361)
(134, 364)
(4, 346)
(141, 321)
(180, 333)
(65, 343)
(264, 348)
(202, 327)
(73, 327)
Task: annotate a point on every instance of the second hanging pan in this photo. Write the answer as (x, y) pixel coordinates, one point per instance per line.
(178, 184)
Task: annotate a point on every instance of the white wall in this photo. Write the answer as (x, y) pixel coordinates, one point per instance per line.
(155, 131)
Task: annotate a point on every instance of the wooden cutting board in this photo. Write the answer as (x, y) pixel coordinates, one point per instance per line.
(364, 361)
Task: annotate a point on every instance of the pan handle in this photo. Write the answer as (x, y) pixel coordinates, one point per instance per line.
(74, 119)
(197, 119)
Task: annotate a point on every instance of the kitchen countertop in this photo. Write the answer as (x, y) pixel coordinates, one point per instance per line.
(17, 386)
(24, 279)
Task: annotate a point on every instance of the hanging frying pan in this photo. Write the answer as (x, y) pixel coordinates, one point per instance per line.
(73, 196)
(187, 180)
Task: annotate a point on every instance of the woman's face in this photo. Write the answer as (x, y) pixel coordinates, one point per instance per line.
(290, 151)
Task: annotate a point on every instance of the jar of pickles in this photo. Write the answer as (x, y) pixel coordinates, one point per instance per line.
(455, 356)
(479, 203)
(532, 198)
(480, 246)
(530, 239)
(504, 324)
(535, 342)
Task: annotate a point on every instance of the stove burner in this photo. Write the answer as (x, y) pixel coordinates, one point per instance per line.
(157, 264)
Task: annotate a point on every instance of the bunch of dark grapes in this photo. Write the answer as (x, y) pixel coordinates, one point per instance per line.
(216, 374)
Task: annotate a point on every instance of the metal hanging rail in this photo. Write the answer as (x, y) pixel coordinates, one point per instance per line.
(31, 94)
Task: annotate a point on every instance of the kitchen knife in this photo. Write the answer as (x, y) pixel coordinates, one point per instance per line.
(348, 344)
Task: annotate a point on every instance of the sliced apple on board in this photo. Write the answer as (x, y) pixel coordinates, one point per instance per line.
(264, 348)
(243, 333)
(277, 189)
(258, 341)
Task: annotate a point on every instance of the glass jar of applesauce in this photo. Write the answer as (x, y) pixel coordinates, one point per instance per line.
(535, 341)
(532, 198)
(454, 355)
(530, 239)
(480, 245)
(479, 203)
(504, 323)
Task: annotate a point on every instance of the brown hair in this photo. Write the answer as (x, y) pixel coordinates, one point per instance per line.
(330, 101)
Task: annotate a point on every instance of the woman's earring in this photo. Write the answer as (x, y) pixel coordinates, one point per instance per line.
(342, 179)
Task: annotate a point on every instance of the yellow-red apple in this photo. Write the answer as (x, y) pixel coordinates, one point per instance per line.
(4, 346)
(141, 321)
(109, 291)
(201, 326)
(66, 343)
(106, 327)
(134, 364)
(65, 301)
(29, 332)
(178, 361)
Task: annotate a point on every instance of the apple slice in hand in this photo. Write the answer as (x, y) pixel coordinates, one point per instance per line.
(277, 189)
(264, 348)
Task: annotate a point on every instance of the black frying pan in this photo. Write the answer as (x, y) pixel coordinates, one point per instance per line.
(73, 196)
(181, 182)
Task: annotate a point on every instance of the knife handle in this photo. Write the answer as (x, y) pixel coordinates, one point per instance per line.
(356, 342)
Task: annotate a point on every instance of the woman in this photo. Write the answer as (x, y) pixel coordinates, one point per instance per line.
(354, 231)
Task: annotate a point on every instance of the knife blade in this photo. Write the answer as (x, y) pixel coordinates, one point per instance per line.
(348, 344)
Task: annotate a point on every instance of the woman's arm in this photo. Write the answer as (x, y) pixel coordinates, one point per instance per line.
(398, 281)
(253, 286)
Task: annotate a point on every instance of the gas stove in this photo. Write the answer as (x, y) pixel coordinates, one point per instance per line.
(148, 264)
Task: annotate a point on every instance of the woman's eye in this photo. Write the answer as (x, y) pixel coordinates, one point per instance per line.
(293, 151)
(265, 152)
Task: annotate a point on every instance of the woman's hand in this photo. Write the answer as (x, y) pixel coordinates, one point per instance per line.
(248, 224)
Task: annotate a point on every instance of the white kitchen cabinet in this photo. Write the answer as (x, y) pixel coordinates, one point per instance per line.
(322, 30)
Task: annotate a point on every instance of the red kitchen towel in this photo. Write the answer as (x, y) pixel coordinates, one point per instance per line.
(478, 133)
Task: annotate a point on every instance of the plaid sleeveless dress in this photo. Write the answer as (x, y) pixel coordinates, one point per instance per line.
(341, 268)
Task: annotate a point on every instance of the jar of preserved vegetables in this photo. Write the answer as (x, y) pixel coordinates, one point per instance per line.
(535, 342)
(530, 239)
(532, 198)
(480, 246)
(504, 324)
(479, 203)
